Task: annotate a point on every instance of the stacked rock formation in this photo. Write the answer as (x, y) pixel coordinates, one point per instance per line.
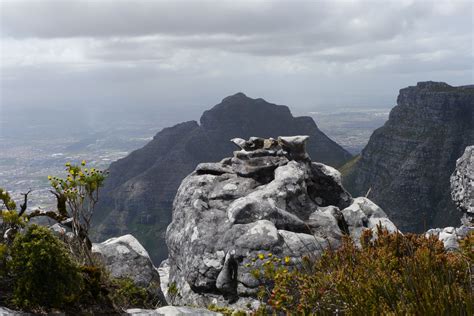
(267, 200)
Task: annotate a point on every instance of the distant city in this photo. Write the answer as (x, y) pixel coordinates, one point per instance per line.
(30, 152)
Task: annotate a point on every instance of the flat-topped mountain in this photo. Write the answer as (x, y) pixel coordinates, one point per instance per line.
(138, 194)
(408, 162)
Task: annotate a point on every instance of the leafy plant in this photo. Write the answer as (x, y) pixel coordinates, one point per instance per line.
(127, 294)
(44, 274)
(11, 219)
(76, 196)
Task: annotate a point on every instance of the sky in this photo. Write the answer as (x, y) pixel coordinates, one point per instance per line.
(189, 55)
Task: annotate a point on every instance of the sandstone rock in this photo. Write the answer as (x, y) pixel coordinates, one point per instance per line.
(138, 193)
(450, 236)
(462, 184)
(408, 162)
(164, 272)
(272, 203)
(125, 257)
(365, 214)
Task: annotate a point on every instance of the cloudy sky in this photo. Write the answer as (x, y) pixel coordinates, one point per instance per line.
(191, 54)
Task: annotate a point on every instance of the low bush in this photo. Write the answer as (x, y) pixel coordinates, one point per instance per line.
(394, 274)
(44, 274)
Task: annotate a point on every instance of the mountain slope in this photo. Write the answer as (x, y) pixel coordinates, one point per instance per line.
(139, 192)
(407, 162)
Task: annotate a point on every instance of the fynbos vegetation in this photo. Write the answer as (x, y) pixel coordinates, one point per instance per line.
(392, 274)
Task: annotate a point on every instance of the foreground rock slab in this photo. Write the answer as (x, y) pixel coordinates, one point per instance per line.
(172, 311)
(267, 201)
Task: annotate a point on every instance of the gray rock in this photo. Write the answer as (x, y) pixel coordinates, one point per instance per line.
(171, 311)
(295, 145)
(450, 236)
(270, 203)
(8, 312)
(164, 272)
(364, 214)
(462, 184)
(125, 257)
(239, 142)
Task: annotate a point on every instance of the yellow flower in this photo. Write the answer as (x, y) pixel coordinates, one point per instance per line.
(68, 164)
(83, 163)
(261, 256)
(49, 177)
(269, 255)
(287, 259)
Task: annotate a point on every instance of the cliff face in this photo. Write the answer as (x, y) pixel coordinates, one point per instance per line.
(408, 162)
(138, 194)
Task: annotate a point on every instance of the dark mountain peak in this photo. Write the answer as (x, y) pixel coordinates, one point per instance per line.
(235, 97)
(238, 109)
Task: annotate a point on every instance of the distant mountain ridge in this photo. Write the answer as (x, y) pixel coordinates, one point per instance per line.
(408, 162)
(138, 194)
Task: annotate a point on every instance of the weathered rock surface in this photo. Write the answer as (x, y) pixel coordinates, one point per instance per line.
(125, 257)
(450, 236)
(172, 311)
(462, 185)
(462, 192)
(408, 162)
(139, 191)
(8, 312)
(274, 202)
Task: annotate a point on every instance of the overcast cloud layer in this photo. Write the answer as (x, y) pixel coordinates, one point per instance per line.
(305, 54)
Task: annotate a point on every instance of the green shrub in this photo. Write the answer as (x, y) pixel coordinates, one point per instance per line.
(393, 275)
(44, 274)
(126, 294)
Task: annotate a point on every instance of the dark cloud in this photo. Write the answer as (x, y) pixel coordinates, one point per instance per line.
(118, 53)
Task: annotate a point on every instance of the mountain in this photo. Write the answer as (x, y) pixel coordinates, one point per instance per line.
(408, 161)
(138, 194)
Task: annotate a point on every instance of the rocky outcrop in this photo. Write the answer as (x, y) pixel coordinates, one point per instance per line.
(268, 200)
(138, 193)
(462, 192)
(462, 185)
(125, 257)
(408, 162)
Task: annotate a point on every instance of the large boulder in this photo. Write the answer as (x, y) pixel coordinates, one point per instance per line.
(268, 200)
(125, 257)
(462, 193)
(462, 184)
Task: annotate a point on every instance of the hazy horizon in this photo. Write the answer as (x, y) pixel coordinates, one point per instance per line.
(165, 55)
